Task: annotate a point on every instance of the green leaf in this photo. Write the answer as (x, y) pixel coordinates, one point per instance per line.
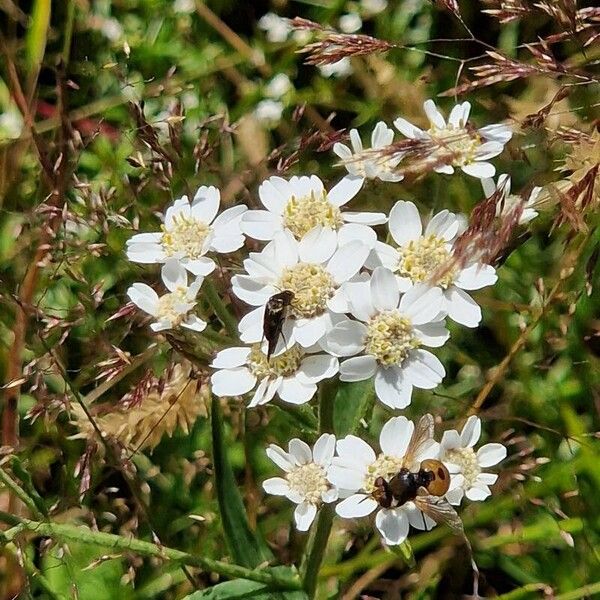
(351, 403)
(37, 33)
(246, 546)
(242, 588)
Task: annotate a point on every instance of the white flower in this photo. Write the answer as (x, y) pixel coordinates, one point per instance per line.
(314, 269)
(388, 337)
(269, 112)
(190, 231)
(421, 257)
(305, 482)
(361, 163)
(11, 123)
(465, 465)
(350, 23)
(171, 309)
(373, 7)
(291, 374)
(341, 68)
(275, 27)
(460, 144)
(356, 467)
(508, 202)
(278, 86)
(302, 203)
(184, 6)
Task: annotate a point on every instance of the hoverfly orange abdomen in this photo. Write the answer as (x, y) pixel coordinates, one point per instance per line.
(435, 477)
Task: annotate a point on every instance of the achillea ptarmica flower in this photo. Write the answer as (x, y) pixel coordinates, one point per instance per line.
(426, 257)
(388, 337)
(275, 27)
(269, 112)
(460, 144)
(291, 374)
(508, 202)
(340, 68)
(190, 231)
(305, 482)
(466, 466)
(174, 308)
(356, 467)
(301, 203)
(365, 164)
(314, 269)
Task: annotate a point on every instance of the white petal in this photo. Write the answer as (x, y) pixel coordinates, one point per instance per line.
(491, 454)
(384, 289)
(144, 297)
(173, 275)
(433, 114)
(417, 518)
(391, 388)
(395, 436)
(276, 486)
(330, 495)
(462, 308)
(228, 222)
(455, 496)
(476, 277)
(356, 450)
(423, 369)
(359, 298)
(342, 151)
(194, 323)
(471, 432)
(250, 291)
(358, 368)
(451, 439)
(357, 505)
(274, 193)
(307, 332)
(345, 190)
(405, 222)
(356, 142)
(232, 382)
(318, 245)
(477, 493)
(422, 303)
(205, 204)
(200, 266)
(433, 334)
(296, 392)
(324, 449)
(260, 224)
(443, 225)
(318, 367)
(259, 393)
(251, 325)
(230, 358)
(300, 451)
(347, 338)
(281, 458)
(161, 325)
(347, 261)
(393, 526)
(349, 479)
(455, 116)
(180, 206)
(486, 479)
(479, 169)
(407, 129)
(489, 187)
(497, 132)
(350, 232)
(366, 218)
(304, 515)
(388, 257)
(285, 249)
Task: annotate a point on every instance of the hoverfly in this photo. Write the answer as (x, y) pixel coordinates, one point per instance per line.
(276, 311)
(424, 486)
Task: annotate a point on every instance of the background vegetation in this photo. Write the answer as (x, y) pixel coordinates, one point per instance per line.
(112, 109)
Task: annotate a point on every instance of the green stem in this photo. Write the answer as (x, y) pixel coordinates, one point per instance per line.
(66, 50)
(221, 310)
(315, 549)
(85, 535)
(18, 491)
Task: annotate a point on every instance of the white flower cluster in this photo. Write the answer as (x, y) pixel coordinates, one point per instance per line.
(358, 307)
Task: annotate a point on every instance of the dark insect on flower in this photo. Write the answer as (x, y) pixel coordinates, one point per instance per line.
(425, 487)
(276, 311)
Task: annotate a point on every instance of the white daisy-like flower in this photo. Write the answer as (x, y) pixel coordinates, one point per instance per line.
(350, 22)
(341, 68)
(388, 337)
(305, 482)
(278, 86)
(314, 269)
(300, 204)
(356, 467)
(291, 374)
(508, 202)
(191, 230)
(466, 466)
(373, 7)
(359, 163)
(269, 112)
(427, 256)
(174, 308)
(276, 28)
(461, 145)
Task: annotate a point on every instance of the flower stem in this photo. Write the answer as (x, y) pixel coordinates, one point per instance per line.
(85, 535)
(221, 310)
(315, 550)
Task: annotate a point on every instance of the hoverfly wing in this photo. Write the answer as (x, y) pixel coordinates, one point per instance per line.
(440, 510)
(421, 438)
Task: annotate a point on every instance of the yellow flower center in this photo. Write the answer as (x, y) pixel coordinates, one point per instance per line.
(423, 259)
(384, 466)
(458, 146)
(174, 306)
(302, 214)
(466, 459)
(390, 338)
(185, 237)
(309, 481)
(283, 365)
(312, 286)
